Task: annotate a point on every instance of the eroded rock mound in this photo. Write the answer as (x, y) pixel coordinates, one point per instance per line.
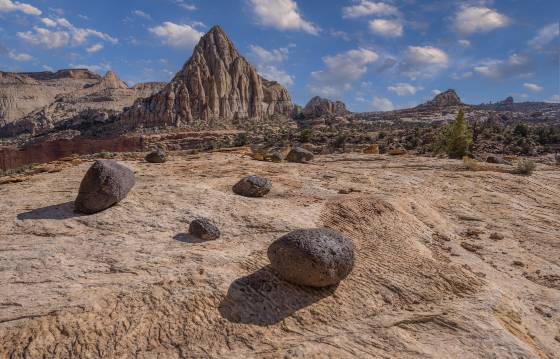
(300, 155)
(448, 98)
(214, 88)
(204, 229)
(252, 186)
(317, 257)
(157, 156)
(319, 106)
(105, 184)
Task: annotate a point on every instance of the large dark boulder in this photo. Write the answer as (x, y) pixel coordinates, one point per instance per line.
(252, 186)
(205, 229)
(299, 155)
(157, 156)
(105, 184)
(317, 257)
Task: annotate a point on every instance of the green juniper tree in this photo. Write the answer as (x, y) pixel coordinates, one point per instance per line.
(456, 138)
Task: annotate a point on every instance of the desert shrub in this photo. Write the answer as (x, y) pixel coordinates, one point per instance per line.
(106, 155)
(525, 167)
(456, 138)
(340, 140)
(242, 139)
(521, 130)
(306, 135)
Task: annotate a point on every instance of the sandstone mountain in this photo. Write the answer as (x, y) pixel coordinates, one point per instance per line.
(448, 98)
(97, 101)
(319, 106)
(22, 93)
(216, 88)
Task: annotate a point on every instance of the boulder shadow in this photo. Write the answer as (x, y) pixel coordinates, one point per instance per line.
(262, 298)
(187, 238)
(58, 211)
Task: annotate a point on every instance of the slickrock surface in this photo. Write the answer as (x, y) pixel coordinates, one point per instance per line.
(129, 282)
(215, 87)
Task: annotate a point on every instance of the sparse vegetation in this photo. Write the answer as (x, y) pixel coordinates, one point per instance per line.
(525, 167)
(306, 135)
(456, 138)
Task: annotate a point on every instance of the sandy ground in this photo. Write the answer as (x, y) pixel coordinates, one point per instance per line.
(450, 263)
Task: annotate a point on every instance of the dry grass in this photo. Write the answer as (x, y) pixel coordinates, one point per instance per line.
(476, 166)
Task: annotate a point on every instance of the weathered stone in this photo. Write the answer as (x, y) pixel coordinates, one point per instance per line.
(448, 98)
(157, 156)
(319, 106)
(105, 184)
(215, 87)
(205, 229)
(397, 152)
(372, 150)
(317, 257)
(252, 186)
(299, 155)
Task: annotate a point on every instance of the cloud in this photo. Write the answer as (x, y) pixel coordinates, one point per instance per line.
(473, 19)
(100, 69)
(500, 69)
(11, 6)
(367, 8)
(545, 35)
(141, 14)
(436, 92)
(175, 35)
(404, 89)
(267, 62)
(186, 6)
(19, 57)
(281, 15)
(382, 104)
(387, 28)
(64, 35)
(465, 43)
(555, 99)
(95, 48)
(533, 87)
(341, 71)
(423, 61)
(464, 75)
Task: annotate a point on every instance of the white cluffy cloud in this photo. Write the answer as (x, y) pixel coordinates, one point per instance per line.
(555, 99)
(382, 104)
(367, 8)
(341, 71)
(423, 61)
(499, 69)
(142, 14)
(95, 48)
(177, 35)
(545, 35)
(267, 62)
(281, 15)
(533, 87)
(473, 19)
(63, 34)
(19, 57)
(387, 28)
(404, 89)
(11, 6)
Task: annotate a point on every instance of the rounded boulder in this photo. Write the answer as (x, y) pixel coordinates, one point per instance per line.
(105, 184)
(300, 155)
(157, 156)
(252, 186)
(318, 257)
(204, 229)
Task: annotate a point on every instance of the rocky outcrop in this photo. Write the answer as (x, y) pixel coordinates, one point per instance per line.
(216, 88)
(319, 106)
(205, 229)
(448, 98)
(252, 186)
(22, 93)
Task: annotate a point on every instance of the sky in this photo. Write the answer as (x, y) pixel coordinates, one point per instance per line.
(373, 55)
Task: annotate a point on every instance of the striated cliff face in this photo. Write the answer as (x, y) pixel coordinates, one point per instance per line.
(319, 106)
(22, 93)
(216, 87)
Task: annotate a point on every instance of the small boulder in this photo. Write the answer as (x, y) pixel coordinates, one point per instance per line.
(299, 155)
(277, 156)
(372, 150)
(252, 186)
(204, 229)
(105, 184)
(397, 151)
(157, 156)
(497, 160)
(317, 257)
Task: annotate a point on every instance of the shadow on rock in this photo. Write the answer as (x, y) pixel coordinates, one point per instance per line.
(264, 299)
(57, 211)
(187, 238)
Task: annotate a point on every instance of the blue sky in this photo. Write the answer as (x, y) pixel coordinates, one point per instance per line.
(374, 55)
